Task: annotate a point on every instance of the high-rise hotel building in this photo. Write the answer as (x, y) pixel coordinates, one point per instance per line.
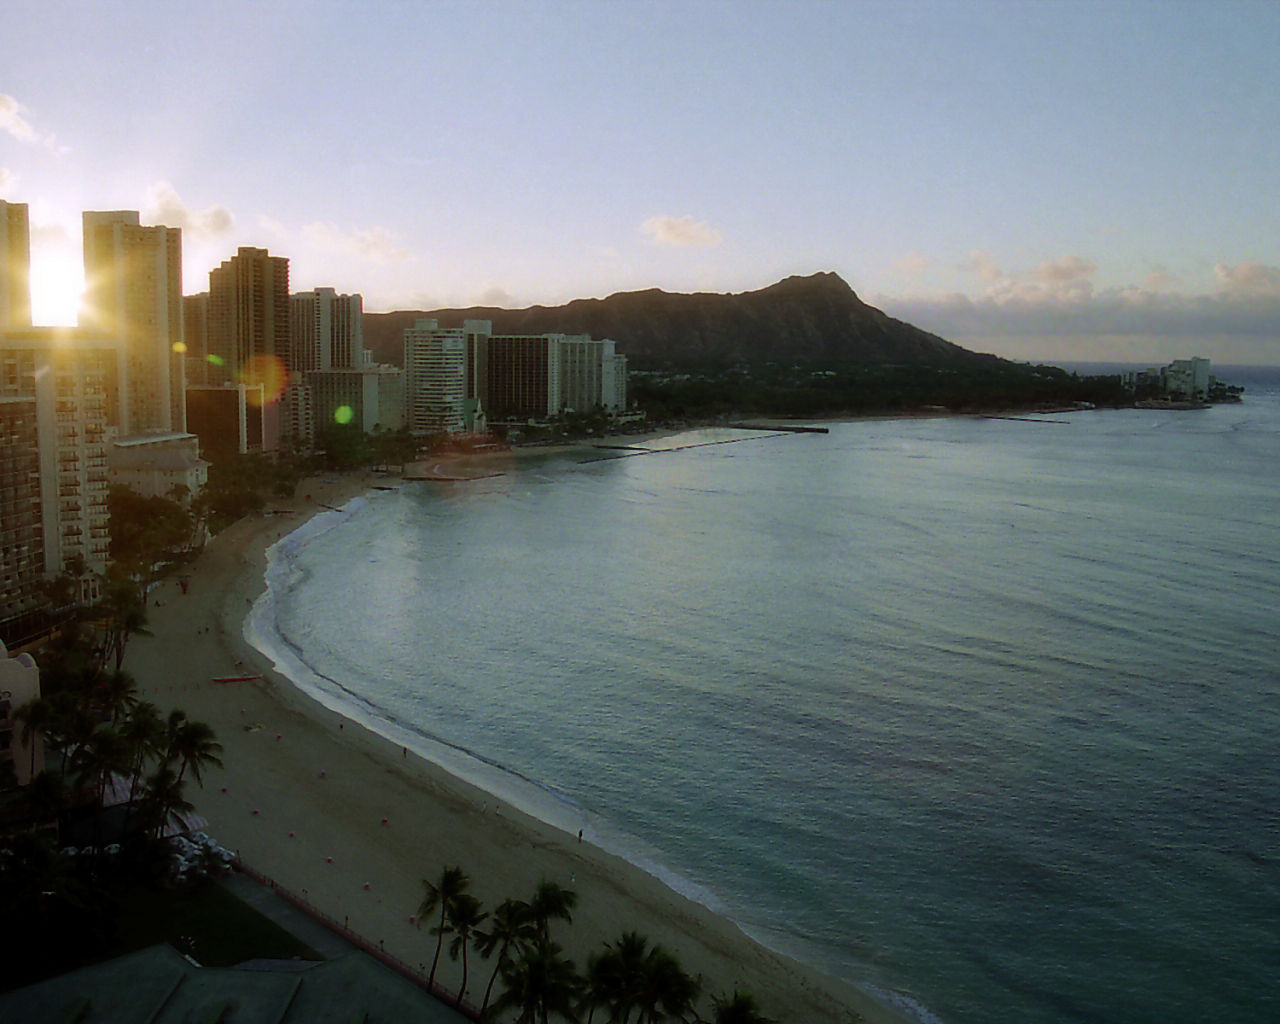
(15, 266)
(327, 330)
(248, 332)
(54, 440)
(133, 292)
(56, 411)
(458, 378)
(435, 377)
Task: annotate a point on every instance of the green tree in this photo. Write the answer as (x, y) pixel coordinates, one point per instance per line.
(193, 745)
(121, 613)
(551, 901)
(453, 882)
(117, 693)
(465, 918)
(662, 990)
(739, 1008)
(510, 927)
(35, 717)
(164, 800)
(146, 738)
(538, 983)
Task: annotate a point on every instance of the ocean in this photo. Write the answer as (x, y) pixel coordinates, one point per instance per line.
(980, 714)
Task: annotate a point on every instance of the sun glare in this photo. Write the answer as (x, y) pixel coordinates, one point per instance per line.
(57, 283)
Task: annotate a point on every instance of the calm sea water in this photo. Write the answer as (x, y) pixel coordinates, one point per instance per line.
(982, 711)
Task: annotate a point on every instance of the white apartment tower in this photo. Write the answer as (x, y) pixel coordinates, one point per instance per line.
(435, 378)
(133, 291)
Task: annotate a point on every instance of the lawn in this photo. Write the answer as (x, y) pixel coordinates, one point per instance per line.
(221, 930)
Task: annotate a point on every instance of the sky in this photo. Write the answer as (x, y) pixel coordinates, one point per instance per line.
(1080, 180)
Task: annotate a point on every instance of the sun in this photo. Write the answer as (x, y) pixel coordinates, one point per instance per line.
(57, 284)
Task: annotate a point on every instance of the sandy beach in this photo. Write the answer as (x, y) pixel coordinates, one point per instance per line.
(353, 822)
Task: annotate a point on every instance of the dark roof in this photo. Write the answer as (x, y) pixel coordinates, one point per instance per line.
(159, 986)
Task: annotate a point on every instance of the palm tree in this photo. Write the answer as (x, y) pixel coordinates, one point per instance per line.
(118, 693)
(69, 727)
(146, 737)
(464, 918)
(510, 926)
(123, 612)
(602, 984)
(663, 990)
(164, 799)
(36, 715)
(551, 900)
(539, 983)
(623, 967)
(47, 794)
(739, 1008)
(104, 754)
(452, 884)
(192, 744)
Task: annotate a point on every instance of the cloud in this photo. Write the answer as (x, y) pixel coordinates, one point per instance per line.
(1064, 280)
(912, 264)
(272, 226)
(164, 206)
(682, 232)
(376, 244)
(1249, 279)
(7, 179)
(1133, 310)
(1065, 270)
(495, 296)
(1159, 280)
(982, 264)
(13, 123)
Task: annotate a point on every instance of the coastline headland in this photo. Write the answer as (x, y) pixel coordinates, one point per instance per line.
(353, 821)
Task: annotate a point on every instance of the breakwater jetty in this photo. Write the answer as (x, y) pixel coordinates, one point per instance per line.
(785, 427)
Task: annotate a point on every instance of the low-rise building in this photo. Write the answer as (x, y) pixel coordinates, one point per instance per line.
(21, 749)
(159, 465)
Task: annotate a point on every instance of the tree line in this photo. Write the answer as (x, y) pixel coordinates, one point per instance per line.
(629, 981)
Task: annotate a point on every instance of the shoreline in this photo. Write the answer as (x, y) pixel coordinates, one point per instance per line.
(353, 821)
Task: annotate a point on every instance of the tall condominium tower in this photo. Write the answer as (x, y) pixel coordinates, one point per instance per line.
(15, 267)
(248, 334)
(328, 331)
(133, 291)
(435, 378)
(195, 329)
(53, 450)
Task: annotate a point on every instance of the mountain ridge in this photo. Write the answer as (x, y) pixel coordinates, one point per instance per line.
(814, 318)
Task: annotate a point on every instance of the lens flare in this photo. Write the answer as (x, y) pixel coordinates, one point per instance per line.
(268, 371)
(343, 414)
(215, 360)
(179, 346)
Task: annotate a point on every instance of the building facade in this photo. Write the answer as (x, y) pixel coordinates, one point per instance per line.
(231, 420)
(435, 378)
(19, 683)
(15, 266)
(159, 465)
(133, 292)
(60, 376)
(195, 328)
(369, 399)
(327, 331)
(470, 375)
(248, 333)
